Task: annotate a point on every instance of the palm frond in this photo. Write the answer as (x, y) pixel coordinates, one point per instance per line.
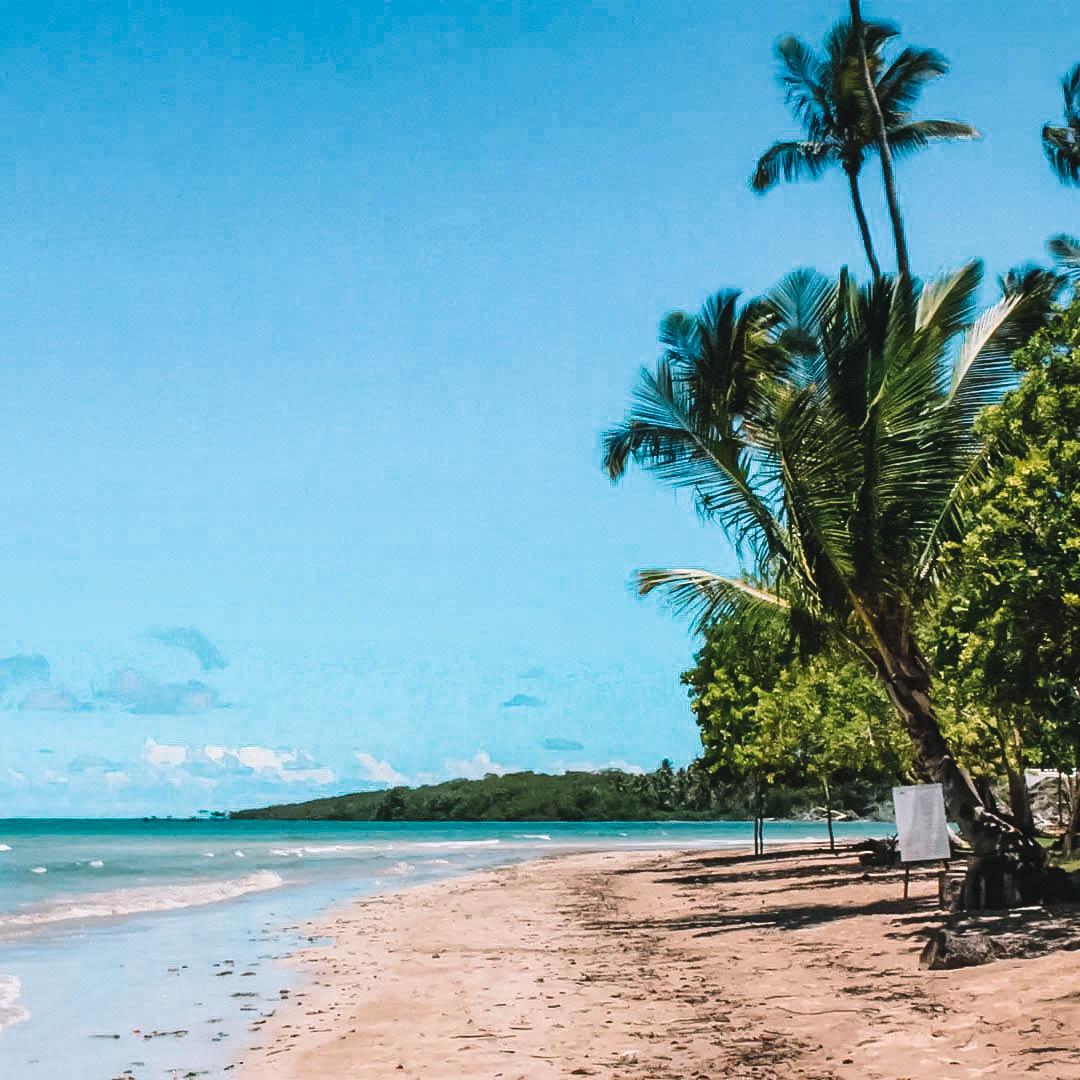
(708, 597)
(664, 435)
(1070, 88)
(800, 74)
(902, 471)
(1030, 278)
(949, 522)
(818, 454)
(1062, 148)
(901, 84)
(798, 304)
(840, 47)
(1066, 250)
(983, 368)
(948, 300)
(910, 138)
(791, 160)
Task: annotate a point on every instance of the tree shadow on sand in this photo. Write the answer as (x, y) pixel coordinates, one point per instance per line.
(800, 917)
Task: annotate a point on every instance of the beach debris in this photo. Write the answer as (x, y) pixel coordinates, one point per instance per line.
(948, 949)
(111, 1036)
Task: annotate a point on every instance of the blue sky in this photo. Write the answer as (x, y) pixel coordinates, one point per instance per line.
(313, 319)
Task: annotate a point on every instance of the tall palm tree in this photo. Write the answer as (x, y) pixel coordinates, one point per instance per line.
(881, 138)
(826, 95)
(828, 429)
(1062, 144)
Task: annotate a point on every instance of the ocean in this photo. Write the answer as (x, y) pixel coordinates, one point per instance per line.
(150, 949)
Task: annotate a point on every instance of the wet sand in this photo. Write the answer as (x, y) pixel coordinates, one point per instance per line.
(678, 965)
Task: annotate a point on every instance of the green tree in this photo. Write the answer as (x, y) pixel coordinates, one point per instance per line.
(1061, 143)
(826, 95)
(828, 429)
(830, 718)
(768, 714)
(1009, 622)
(739, 662)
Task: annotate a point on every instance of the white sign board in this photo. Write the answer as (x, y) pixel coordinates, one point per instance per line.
(920, 823)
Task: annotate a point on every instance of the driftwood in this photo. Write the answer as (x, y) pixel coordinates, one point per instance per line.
(948, 949)
(1007, 935)
(955, 949)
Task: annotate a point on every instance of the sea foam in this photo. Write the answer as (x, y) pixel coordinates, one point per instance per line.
(11, 1012)
(139, 900)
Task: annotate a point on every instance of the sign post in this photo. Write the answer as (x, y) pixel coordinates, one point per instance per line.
(921, 826)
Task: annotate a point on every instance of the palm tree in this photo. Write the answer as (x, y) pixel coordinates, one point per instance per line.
(826, 95)
(881, 138)
(828, 429)
(1062, 144)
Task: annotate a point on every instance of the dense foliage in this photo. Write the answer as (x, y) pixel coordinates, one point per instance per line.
(1008, 623)
(769, 714)
(830, 431)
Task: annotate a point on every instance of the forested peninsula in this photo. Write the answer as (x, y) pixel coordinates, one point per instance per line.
(610, 795)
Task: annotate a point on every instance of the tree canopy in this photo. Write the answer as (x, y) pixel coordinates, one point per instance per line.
(1009, 619)
(828, 429)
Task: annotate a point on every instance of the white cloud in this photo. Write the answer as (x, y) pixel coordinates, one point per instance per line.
(117, 778)
(54, 777)
(257, 758)
(289, 766)
(474, 768)
(308, 776)
(161, 754)
(373, 769)
(16, 776)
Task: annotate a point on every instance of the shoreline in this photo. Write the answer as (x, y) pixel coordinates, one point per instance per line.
(675, 964)
(188, 983)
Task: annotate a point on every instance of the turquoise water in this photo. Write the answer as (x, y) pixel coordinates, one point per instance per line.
(112, 931)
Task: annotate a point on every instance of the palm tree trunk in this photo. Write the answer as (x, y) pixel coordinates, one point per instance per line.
(860, 217)
(902, 265)
(906, 679)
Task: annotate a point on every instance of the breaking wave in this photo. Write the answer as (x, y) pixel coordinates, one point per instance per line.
(139, 900)
(11, 1012)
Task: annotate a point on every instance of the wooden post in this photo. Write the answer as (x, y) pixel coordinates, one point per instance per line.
(907, 879)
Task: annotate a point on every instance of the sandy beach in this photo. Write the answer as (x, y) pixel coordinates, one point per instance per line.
(678, 965)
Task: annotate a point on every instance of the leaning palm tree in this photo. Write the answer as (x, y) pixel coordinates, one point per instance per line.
(828, 429)
(825, 93)
(1062, 144)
